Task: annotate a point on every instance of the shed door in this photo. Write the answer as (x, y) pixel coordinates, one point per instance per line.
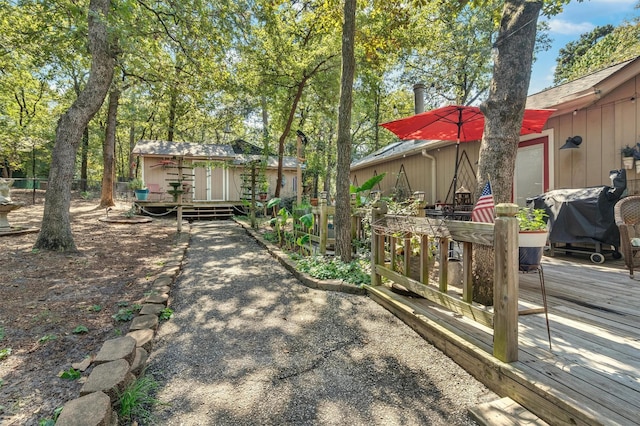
(532, 170)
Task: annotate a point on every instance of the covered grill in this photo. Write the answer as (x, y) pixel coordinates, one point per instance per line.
(581, 220)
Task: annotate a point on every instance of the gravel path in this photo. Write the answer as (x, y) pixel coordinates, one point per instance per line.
(249, 345)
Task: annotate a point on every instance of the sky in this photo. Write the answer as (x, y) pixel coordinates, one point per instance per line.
(576, 19)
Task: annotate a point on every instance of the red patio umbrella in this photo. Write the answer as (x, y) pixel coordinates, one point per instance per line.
(458, 123)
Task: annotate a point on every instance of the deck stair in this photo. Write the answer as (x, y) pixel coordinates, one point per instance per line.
(208, 212)
(504, 412)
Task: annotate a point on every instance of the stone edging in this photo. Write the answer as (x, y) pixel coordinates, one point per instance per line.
(122, 359)
(308, 280)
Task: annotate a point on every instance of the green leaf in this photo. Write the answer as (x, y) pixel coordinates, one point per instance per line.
(369, 184)
(307, 220)
(273, 202)
(70, 374)
(80, 329)
(4, 353)
(166, 314)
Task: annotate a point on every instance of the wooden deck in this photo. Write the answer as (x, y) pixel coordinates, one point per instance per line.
(592, 374)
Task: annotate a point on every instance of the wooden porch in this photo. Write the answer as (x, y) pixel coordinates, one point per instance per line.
(592, 374)
(196, 210)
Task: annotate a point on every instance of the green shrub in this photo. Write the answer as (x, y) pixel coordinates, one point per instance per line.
(355, 272)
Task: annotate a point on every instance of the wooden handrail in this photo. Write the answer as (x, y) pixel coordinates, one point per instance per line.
(502, 236)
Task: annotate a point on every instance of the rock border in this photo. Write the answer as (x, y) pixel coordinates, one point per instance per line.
(121, 360)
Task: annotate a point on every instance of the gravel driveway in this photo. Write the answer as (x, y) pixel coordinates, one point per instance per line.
(249, 345)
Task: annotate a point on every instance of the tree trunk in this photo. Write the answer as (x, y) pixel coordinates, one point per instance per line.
(285, 133)
(55, 233)
(132, 143)
(343, 201)
(109, 151)
(84, 164)
(503, 113)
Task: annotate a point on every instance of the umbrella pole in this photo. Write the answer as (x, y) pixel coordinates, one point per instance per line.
(455, 176)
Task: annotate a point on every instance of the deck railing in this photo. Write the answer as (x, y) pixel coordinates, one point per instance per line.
(391, 257)
(322, 232)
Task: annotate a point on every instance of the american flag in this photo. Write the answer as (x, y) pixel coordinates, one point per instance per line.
(483, 211)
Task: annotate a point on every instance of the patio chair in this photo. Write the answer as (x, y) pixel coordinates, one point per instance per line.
(627, 216)
(155, 193)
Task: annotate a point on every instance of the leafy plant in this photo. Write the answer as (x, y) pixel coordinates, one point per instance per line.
(325, 268)
(4, 353)
(166, 314)
(80, 329)
(95, 308)
(137, 183)
(273, 204)
(530, 219)
(136, 400)
(627, 151)
(367, 186)
(307, 223)
(51, 422)
(123, 315)
(47, 337)
(279, 222)
(70, 374)
(2, 333)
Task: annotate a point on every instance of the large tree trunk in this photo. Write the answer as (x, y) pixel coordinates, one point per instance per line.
(343, 200)
(109, 151)
(55, 233)
(503, 113)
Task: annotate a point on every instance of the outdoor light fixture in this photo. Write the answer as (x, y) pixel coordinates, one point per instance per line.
(575, 112)
(418, 196)
(572, 142)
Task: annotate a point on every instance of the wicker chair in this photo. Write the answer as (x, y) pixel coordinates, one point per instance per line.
(627, 215)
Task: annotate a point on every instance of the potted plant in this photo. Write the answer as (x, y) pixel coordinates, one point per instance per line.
(140, 188)
(264, 190)
(627, 156)
(532, 237)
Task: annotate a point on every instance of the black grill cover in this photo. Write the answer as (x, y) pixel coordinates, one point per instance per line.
(583, 215)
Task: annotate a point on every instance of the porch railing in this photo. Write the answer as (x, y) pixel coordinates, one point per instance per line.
(390, 233)
(322, 232)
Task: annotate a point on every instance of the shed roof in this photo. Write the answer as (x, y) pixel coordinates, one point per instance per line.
(208, 151)
(185, 149)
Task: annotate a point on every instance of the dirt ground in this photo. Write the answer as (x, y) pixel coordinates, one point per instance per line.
(45, 297)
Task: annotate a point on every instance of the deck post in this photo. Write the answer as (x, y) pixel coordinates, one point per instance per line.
(324, 221)
(425, 254)
(505, 284)
(378, 210)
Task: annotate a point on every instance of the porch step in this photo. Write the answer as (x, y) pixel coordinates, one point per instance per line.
(504, 412)
(208, 212)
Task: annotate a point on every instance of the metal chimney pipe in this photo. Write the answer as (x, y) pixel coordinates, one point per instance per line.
(418, 92)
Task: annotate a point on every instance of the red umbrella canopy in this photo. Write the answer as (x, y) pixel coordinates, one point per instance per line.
(458, 123)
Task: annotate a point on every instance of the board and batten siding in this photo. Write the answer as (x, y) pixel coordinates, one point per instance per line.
(605, 127)
(418, 169)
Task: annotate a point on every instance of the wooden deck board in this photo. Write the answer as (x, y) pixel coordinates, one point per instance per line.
(592, 374)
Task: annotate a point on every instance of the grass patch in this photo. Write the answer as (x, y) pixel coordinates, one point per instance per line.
(136, 402)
